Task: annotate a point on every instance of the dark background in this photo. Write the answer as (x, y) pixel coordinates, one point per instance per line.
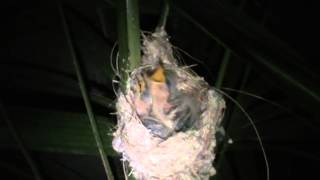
(36, 72)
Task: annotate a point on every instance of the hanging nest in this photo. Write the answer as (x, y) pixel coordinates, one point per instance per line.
(167, 117)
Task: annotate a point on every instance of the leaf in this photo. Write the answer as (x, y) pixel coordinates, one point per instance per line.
(57, 131)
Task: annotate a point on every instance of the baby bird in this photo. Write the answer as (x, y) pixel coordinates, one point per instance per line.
(162, 108)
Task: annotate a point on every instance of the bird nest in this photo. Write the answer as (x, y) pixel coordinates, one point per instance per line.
(167, 117)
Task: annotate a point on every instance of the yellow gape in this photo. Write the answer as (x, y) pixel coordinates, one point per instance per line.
(158, 75)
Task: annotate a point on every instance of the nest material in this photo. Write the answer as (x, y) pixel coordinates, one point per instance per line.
(185, 153)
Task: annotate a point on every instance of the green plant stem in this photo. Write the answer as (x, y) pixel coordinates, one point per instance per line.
(128, 38)
(133, 28)
(122, 60)
(85, 97)
(21, 146)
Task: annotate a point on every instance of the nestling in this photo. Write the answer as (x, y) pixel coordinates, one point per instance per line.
(162, 108)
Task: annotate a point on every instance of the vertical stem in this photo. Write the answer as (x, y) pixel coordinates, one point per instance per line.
(128, 37)
(85, 97)
(122, 61)
(23, 149)
(133, 28)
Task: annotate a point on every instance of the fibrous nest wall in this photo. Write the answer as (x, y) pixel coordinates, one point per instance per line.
(167, 117)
